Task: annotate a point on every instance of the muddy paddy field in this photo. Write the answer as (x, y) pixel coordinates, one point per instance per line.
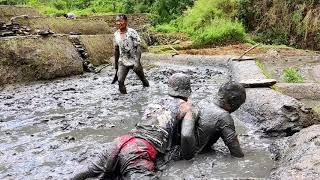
(50, 129)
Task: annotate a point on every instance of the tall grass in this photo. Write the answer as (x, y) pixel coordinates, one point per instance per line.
(209, 22)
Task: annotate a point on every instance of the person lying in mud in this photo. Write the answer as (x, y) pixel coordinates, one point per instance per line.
(127, 53)
(216, 122)
(133, 156)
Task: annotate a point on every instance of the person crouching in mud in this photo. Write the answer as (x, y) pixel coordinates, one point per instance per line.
(133, 156)
(127, 53)
(215, 120)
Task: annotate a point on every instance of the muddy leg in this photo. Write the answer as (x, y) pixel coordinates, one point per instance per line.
(139, 71)
(122, 74)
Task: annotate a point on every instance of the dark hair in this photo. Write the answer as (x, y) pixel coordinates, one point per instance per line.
(122, 16)
(233, 94)
(65, 15)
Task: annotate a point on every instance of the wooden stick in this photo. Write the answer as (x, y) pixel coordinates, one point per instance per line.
(248, 51)
(176, 52)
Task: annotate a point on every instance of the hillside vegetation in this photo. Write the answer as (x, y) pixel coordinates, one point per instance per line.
(210, 22)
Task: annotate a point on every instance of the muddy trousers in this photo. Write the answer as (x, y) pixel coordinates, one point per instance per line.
(127, 157)
(123, 72)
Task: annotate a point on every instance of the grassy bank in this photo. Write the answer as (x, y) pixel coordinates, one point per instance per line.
(35, 58)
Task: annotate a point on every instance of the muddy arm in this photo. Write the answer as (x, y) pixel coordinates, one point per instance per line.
(116, 56)
(139, 52)
(188, 139)
(229, 135)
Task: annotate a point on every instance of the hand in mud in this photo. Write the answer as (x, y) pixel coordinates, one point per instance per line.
(175, 154)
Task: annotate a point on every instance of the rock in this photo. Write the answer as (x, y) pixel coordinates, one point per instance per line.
(273, 54)
(316, 73)
(7, 33)
(258, 82)
(275, 114)
(45, 32)
(75, 33)
(298, 156)
(245, 70)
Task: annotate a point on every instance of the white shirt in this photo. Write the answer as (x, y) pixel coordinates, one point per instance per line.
(127, 46)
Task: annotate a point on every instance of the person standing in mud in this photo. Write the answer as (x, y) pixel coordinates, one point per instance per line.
(133, 156)
(216, 122)
(127, 53)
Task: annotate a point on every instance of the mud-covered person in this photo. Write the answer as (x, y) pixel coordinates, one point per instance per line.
(133, 156)
(127, 44)
(70, 16)
(215, 120)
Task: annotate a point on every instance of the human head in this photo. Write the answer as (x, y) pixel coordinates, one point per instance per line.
(179, 86)
(65, 15)
(122, 21)
(231, 96)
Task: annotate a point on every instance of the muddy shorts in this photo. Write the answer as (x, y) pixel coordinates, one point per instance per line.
(135, 158)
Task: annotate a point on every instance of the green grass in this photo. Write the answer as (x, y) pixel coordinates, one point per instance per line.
(292, 75)
(263, 68)
(219, 32)
(209, 23)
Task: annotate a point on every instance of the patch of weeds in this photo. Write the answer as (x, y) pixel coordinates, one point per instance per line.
(292, 75)
(161, 50)
(316, 111)
(276, 88)
(263, 68)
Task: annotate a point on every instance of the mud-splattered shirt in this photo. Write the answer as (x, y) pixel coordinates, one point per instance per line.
(127, 46)
(160, 123)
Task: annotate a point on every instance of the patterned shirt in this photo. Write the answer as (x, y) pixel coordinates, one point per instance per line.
(160, 123)
(127, 46)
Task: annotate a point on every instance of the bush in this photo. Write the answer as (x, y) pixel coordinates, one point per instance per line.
(209, 22)
(292, 75)
(166, 28)
(219, 32)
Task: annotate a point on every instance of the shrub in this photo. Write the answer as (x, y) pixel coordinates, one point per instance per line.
(166, 28)
(219, 32)
(292, 75)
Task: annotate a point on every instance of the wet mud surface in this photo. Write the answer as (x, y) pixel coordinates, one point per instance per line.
(49, 130)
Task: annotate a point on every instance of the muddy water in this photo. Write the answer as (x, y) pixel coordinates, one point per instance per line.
(50, 129)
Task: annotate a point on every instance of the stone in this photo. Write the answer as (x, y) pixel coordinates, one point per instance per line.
(297, 156)
(275, 114)
(246, 70)
(258, 82)
(7, 33)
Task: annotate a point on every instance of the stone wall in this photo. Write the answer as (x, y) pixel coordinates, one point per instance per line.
(99, 48)
(33, 58)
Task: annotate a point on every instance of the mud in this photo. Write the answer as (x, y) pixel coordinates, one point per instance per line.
(50, 129)
(298, 156)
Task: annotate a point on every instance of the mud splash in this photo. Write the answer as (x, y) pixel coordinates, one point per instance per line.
(51, 129)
